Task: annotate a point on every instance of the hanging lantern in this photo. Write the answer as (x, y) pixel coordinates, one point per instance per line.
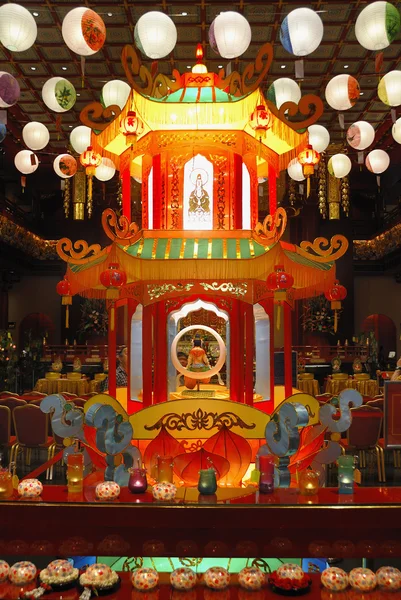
(131, 126)
(59, 94)
(334, 295)
(279, 283)
(308, 158)
(319, 137)
(113, 279)
(377, 161)
(83, 31)
(284, 90)
(155, 34)
(80, 138)
(105, 171)
(295, 170)
(63, 288)
(377, 25)
(389, 88)
(301, 31)
(9, 89)
(260, 120)
(3, 132)
(342, 92)
(339, 165)
(90, 160)
(116, 92)
(360, 135)
(35, 135)
(396, 131)
(26, 163)
(230, 34)
(65, 166)
(18, 28)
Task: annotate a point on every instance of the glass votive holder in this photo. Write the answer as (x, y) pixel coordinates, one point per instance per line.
(345, 474)
(165, 469)
(75, 472)
(137, 483)
(266, 469)
(309, 482)
(207, 483)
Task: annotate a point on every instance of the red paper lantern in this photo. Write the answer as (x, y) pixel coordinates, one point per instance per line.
(308, 158)
(131, 126)
(260, 120)
(235, 449)
(164, 444)
(334, 295)
(63, 288)
(90, 160)
(279, 283)
(112, 279)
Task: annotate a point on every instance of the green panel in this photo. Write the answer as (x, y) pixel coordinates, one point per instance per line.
(231, 248)
(217, 248)
(133, 250)
(175, 248)
(88, 265)
(147, 248)
(302, 260)
(161, 248)
(166, 565)
(258, 248)
(244, 246)
(202, 248)
(189, 249)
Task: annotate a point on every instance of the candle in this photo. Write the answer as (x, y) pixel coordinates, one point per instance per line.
(137, 483)
(309, 482)
(266, 468)
(75, 472)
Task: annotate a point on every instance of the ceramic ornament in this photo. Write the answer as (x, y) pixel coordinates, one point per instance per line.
(145, 579)
(334, 579)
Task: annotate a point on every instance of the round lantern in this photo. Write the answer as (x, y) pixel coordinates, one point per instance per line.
(342, 92)
(230, 34)
(301, 31)
(63, 288)
(117, 92)
(260, 121)
(295, 170)
(377, 161)
(396, 131)
(155, 34)
(113, 279)
(35, 135)
(131, 126)
(334, 295)
(319, 137)
(83, 31)
(105, 171)
(284, 90)
(26, 162)
(18, 28)
(9, 89)
(360, 135)
(3, 132)
(80, 138)
(377, 25)
(65, 166)
(389, 88)
(339, 165)
(90, 160)
(308, 158)
(279, 283)
(59, 94)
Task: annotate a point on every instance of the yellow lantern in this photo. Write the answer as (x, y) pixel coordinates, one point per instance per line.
(131, 126)
(90, 160)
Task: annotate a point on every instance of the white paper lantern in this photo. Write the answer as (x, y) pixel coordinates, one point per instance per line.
(319, 137)
(339, 165)
(377, 25)
(284, 90)
(18, 28)
(155, 34)
(83, 31)
(9, 90)
(230, 34)
(389, 88)
(59, 94)
(342, 92)
(301, 31)
(105, 171)
(295, 170)
(396, 131)
(23, 161)
(80, 138)
(360, 135)
(116, 92)
(35, 135)
(377, 161)
(65, 166)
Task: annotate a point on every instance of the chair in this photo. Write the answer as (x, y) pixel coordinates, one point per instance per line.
(7, 394)
(31, 429)
(12, 403)
(363, 436)
(68, 395)
(37, 401)
(6, 439)
(324, 398)
(80, 402)
(29, 396)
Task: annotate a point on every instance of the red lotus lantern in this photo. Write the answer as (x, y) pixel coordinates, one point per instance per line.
(113, 279)
(90, 160)
(308, 158)
(335, 294)
(63, 288)
(131, 126)
(279, 283)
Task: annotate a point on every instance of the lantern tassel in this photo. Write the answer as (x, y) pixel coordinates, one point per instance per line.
(67, 317)
(83, 71)
(112, 317)
(335, 321)
(308, 187)
(278, 316)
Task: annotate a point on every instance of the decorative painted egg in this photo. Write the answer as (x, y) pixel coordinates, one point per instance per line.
(30, 488)
(251, 578)
(290, 571)
(145, 579)
(22, 572)
(59, 571)
(362, 579)
(183, 578)
(389, 578)
(164, 491)
(4, 570)
(107, 490)
(216, 578)
(99, 576)
(334, 579)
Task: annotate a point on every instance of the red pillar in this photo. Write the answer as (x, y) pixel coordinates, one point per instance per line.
(234, 351)
(160, 362)
(157, 175)
(147, 355)
(237, 191)
(112, 351)
(287, 350)
(249, 353)
(126, 193)
(131, 306)
(272, 190)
